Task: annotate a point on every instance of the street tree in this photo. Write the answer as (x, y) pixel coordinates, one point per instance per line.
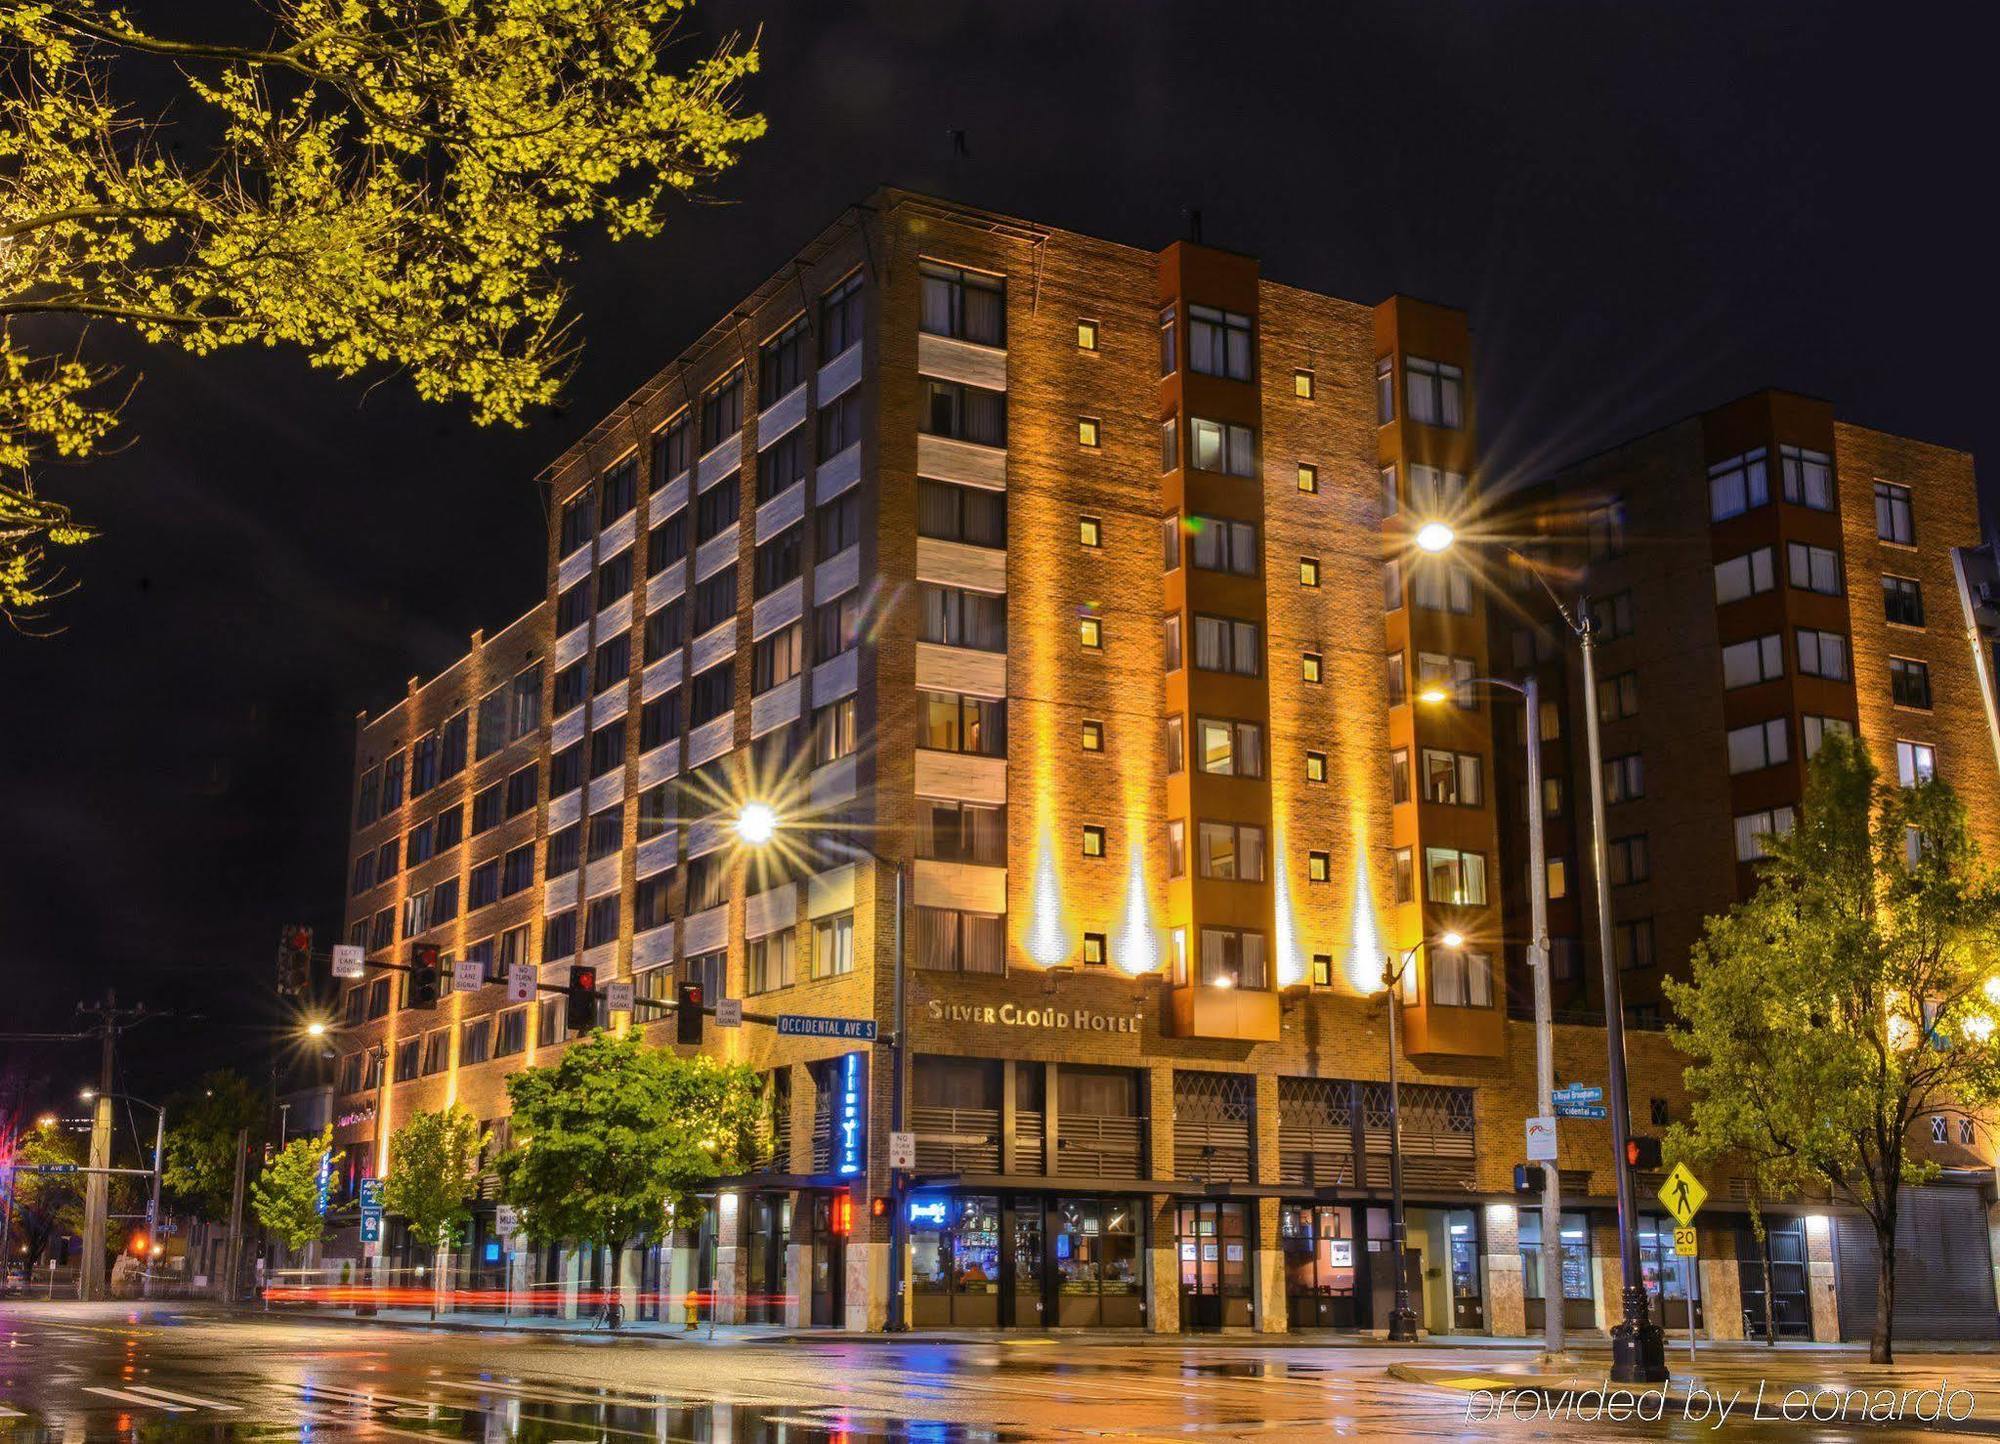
(286, 1196)
(613, 1140)
(203, 1126)
(433, 1165)
(46, 1206)
(1849, 999)
(382, 185)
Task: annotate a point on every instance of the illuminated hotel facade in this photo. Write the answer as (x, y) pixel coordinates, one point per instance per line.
(1073, 582)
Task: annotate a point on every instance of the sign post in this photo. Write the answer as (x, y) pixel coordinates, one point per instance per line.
(1541, 1139)
(1683, 1194)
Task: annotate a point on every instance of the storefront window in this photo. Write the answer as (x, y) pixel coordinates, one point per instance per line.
(1576, 1283)
(955, 1259)
(1665, 1273)
(1319, 1251)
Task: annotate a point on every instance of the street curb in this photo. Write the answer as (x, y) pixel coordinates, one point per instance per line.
(1462, 1382)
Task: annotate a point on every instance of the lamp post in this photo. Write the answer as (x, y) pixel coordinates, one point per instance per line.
(1402, 1318)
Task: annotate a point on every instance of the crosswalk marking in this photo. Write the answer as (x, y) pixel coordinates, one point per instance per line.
(125, 1398)
(195, 1399)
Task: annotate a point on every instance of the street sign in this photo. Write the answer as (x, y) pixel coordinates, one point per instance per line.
(1580, 1110)
(371, 1194)
(618, 997)
(521, 983)
(801, 1025)
(371, 1225)
(1683, 1194)
(1541, 1139)
(48, 1168)
(1577, 1093)
(903, 1150)
(1684, 1242)
(728, 1012)
(506, 1220)
(468, 975)
(348, 961)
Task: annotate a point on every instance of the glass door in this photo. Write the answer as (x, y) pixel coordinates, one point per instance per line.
(1023, 1223)
(1215, 1265)
(1468, 1288)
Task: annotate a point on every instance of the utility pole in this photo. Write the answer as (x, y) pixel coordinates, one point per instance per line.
(233, 1254)
(91, 1284)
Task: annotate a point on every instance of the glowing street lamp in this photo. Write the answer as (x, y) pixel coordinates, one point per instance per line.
(316, 1028)
(1435, 536)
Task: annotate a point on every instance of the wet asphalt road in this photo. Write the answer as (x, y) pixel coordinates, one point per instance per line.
(75, 1372)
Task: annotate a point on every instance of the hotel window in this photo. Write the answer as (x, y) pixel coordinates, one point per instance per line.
(1611, 617)
(1403, 879)
(1814, 569)
(964, 304)
(1894, 521)
(716, 510)
(1302, 384)
(1761, 659)
(1442, 587)
(1094, 955)
(1319, 866)
(408, 1056)
(451, 746)
(565, 849)
(836, 626)
(1093, 840)
(1229, 749)
(833, 946)
(953, 941)
(1398, 683)
(450, 829)
(834, 732)
(1222, 644)
(513, 949)
(1230, 851)
(660, 721)
(1739, 484)
(1823, 654)
(1170, 444)
(667, 543)
(1089, 531)
(673, 450)
(649, 902)
(1628, 859)
(1176, 848)
(1461, 978)
(368, 803)
(838, 424)
(551, 1026)
(1315, 767)
(1385, 390)
(768, 962)
(1916, 763)
(364, 873)
(378, 998)
(617, 492)
(1090, 632)
(666, 630)
(388, 860)
(840, 317)
(1175, 732)
(1086, 335)
(483, 886)
(1450, 675)
(417, 844)
(707, 881)
(712, 694)
(964, 413)
(778, 560)
(570, 684)
(1232, 958)
(517, 870)
(1617, 696)
(350, 1075)
(1322, 970)
(1092, 737)
(1220, 343)
(1605, 527)
(1310, 668)
(607, 748)
(781, 364)
(423, 764)
(1454, 779)
(1392, 585)
(1436, 391)
(1216, 545)
(1903, 601)
(559, 937)
(1308, 571)
(1808, 477)
(1222, 446)
(606, 832)
(1170, 543)
(1817, 729)
(1624, 778)
(574, 528)
(1434, 491)
(1759, 745)
(613, 663)
(1632, 944)
(600, 921)
(656, 811)
(1399, 774)
(961, 831)
(782, 465)
(1169, 357)
(1966, 1131)
(1909, 682)
(1455, 876)
(1170, 628)
(1089, 431)
(474, 1039)
(965, 514)
(1745, 576)
(1753, 827)
(956, 617)
(722, 412)
(1308, 477)
(949, 722)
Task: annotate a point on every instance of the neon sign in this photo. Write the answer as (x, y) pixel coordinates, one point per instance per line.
(929, 1210)
(851, 1117)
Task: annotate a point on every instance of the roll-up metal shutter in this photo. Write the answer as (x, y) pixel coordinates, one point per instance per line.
(1944, 1268)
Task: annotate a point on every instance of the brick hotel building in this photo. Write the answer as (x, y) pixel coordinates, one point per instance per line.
(1073, 581)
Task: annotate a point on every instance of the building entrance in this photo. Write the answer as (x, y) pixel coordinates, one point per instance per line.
(1213, 1239)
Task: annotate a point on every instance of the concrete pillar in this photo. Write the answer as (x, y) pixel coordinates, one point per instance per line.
(1506, 1298)
(867, 1285)
(1820, 1286)
(1607, 1273)
(1267, 1290)
(1163, 1274)
(683, 1259)
(572, 1278)
(798, 1283)
(1721, 1284)
(728, 1257)
(631, 1268)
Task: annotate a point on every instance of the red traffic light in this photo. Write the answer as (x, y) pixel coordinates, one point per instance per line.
(137, 1245)
(1642, 1152)
(843, 1214)
(878, 1207)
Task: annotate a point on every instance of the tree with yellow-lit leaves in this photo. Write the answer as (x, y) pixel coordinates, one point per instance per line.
(385, 185)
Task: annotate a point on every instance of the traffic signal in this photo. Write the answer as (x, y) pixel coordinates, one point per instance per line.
(1642, 1152)
(687, 1013)
(843, 1215)
(424, 975)
(1527, 1178)
(580, 1007)
(878, 1207)
(295, 946)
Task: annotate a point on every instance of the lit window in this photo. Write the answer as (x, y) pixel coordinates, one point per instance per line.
(1308, 477)
(1315, 767)
(1309, 666)
(1093, 736)
(1916, 763)
(1091, 632)
(1308, 571)
(1086, 430)
(1090, 531)
(1086, 335)
(1319, 866)
(1322, 970)
(1302, 385)
(1093, 840)
(1093, 950)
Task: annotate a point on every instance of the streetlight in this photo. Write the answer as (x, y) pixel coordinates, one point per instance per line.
(1435, 536)
(757, 824)
(1638, 1345)
(1402, 1318)
(1538, 967)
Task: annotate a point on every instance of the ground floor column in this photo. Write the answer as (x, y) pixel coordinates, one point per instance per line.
(1163, 1278)
(1267, 1282)
(572, 1277)
(1820, 1287)
(867, 1283)
(728, 1257)
(1721, 1284)
(1506, 1298)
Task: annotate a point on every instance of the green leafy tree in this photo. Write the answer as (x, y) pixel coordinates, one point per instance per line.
(1848, 1000)
(433, 1162)
(384, 185)
(612, 1141)
(46, 1206)
(203, 1125)
(286, 1195)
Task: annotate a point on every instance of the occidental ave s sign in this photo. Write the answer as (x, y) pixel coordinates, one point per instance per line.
(1012, 1015)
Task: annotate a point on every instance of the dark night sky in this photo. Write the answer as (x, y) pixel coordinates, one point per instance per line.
(1647, 207)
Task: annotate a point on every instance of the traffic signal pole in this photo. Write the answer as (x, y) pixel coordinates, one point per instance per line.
(91, 1283)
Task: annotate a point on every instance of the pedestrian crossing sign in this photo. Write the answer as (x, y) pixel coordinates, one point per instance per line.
(1683, 1194)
